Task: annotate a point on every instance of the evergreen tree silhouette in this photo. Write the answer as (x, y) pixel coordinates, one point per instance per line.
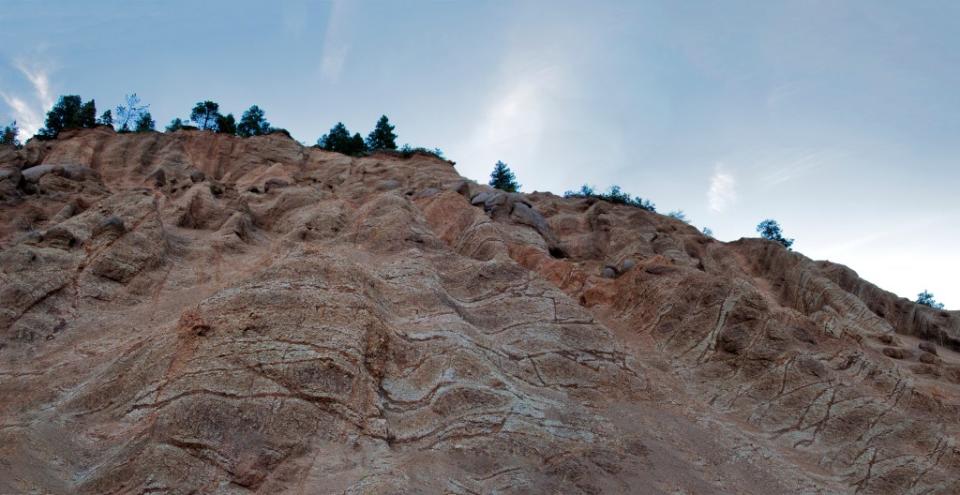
(502, 178)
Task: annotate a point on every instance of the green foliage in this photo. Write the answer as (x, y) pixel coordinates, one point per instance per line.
(678, 215)
(357, 145)
(129, 115)
(226, 124)
(145, 123)
(69, 113)
(382, 136)
(253, 122)
(503, 178)
(340, 140)
(205, 115)
(88, 114)
(770, 230)
(925, 298)
(175, 125)
(9, 135)
(613, 195)
(106, 118)
(584, 192)
(406, 151)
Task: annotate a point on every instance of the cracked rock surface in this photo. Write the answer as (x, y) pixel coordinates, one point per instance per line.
(200, 313)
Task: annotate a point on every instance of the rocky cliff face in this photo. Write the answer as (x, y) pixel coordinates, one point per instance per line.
(200, 313)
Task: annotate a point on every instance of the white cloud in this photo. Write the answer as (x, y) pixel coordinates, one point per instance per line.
(722, 192)
(30, 117)
(28, 120)
(512, 122)
(41, 84)
(513, 114)
(335, 47)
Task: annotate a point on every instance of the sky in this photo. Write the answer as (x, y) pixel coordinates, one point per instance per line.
(841, 120)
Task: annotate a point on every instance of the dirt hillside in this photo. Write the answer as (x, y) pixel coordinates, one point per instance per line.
(200, 313)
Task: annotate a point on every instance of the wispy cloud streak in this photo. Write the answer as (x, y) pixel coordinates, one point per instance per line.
(40, 82)
(335, 47)
(723, 189)
(30, 117)
(800, 166)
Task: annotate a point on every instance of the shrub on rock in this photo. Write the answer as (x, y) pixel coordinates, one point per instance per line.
(770, 230)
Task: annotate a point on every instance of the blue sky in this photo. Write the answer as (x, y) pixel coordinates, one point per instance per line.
(839, 119)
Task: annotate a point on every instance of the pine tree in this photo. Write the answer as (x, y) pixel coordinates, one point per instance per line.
(9, 135)
(106, 118)
(382, 137)
(175, 125)
(145, 123)
(226, 124)
(253, 123)
(357, 146)
(205, 114)
(69, 113)
(502, 178)
(340, 140)
(770, 230)
(130, 114)
(926, 298)
(88, 114)
(336, 140)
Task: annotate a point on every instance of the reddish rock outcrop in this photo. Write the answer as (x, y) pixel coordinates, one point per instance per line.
(199, 313)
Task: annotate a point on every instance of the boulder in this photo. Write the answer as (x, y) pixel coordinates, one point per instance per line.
(480, 198)
(895, 353)
(524, 214)
(275, 183)
(33, 174)
(10, 178)
(928, 347)
(77, 172)
(388, 185)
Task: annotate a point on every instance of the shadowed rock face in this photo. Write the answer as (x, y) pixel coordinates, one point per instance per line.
(199, 313)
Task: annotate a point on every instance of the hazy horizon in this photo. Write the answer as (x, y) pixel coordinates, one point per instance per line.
(841, 121)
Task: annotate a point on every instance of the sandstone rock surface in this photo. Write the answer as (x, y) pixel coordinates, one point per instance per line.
(199, 313)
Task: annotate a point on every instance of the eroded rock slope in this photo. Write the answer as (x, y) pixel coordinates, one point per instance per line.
(199, 313)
